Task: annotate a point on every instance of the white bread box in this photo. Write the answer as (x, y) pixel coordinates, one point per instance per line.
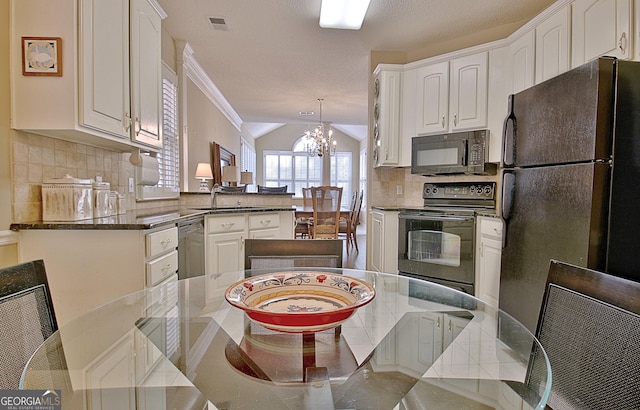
(67, 199)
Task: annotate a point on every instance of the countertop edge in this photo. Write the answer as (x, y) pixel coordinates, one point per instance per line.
(141, 220)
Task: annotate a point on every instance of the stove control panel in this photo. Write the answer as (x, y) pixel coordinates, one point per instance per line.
(459, 191)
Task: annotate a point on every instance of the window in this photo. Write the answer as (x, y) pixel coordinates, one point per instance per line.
(169, 157)
(341, 173)
(298, 170)
(248, 161)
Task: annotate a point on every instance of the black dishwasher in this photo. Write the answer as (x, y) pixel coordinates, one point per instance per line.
(191, 247)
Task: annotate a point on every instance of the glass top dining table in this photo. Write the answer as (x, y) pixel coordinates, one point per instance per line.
(182, 345)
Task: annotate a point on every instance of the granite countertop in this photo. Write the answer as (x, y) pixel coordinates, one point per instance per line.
(143, 219)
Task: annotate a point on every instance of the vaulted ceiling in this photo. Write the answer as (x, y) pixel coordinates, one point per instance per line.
(274, 61)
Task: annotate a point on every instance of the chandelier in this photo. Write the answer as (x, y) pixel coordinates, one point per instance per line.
(316, 142)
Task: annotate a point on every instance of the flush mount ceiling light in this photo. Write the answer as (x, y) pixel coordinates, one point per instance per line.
(343, 14)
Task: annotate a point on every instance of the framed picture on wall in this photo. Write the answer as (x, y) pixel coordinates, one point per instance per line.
(42, 56)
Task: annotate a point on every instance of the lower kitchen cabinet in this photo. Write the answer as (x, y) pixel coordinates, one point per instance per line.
(110, 378)
(488, 257)
(382, 252)
(225, 235)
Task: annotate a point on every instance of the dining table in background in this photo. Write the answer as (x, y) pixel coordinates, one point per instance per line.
(182, 345)
(307, 212)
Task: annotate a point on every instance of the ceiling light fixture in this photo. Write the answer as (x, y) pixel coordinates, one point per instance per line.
(343, 14)
(316, 142)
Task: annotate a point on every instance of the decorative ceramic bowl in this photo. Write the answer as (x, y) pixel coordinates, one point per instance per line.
(300, 302)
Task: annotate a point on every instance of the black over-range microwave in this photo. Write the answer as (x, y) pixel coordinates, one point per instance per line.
(455, 153)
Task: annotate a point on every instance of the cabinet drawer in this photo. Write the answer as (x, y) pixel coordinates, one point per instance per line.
(491, 227)
(163, 296)
(160, 242)
(263, 221)
(230, 223)
(160, 268)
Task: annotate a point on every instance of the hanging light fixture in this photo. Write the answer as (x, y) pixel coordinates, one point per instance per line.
(319, 143)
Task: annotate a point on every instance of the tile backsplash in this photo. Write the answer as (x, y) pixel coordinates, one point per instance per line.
(35, 158)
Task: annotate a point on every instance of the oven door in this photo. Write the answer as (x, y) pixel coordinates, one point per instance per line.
(437, 246)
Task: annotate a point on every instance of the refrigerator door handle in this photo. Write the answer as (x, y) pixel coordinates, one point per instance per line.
(509, 136)
(508, 189)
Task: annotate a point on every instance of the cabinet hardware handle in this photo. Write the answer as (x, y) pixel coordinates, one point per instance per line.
(450, 325)
(265, 221)
(139, 126)
(228, 224)
(622, 43)
(166, 267)
(165, 242)
(127, 121)
(443, 121)
(455, 120)
(438, 323)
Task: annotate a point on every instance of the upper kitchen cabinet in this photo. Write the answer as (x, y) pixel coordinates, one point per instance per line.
(432, 98)
(386, 116)
(109, 94)
(522, 62)
(468, 92)
(601, 27)
(452, 95)
(552, 45)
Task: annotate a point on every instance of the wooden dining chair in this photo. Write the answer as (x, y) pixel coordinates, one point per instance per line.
(302, 223)
(589, 326)
(27, 317)
(349, 228)
(326, 202)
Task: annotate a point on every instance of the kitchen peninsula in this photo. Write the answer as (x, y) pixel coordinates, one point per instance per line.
(93, 261)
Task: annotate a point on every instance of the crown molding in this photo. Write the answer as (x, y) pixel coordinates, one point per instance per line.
(200, 78)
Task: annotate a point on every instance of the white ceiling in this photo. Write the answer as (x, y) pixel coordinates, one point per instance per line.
(275, 60)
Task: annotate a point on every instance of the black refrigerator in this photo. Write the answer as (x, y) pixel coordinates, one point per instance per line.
(570, 180)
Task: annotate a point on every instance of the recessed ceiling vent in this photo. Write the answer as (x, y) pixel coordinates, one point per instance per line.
(218, 23)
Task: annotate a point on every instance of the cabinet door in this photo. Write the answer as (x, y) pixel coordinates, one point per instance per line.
(225, 252)
(377, 242)
(432, 99)
(387, 122)
(110, 379)
(521, 54)
(146, 77)
(552, 46)
(489, 284)
(468, 96)
(104, 66)
(601, 27)
(488, 260)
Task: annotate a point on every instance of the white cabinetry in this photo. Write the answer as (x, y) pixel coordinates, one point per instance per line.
(468, 93)
(522, 62)
(452, 95)
(552, 46)
(386, 116)
(224, 243)
(432, 98)
(489, 252)
(601, 27)
(113, 371)
(226, 233)
(161, 255)
(382, 254)
(110, 92)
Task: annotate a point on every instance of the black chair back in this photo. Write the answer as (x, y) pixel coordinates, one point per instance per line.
(590, 328)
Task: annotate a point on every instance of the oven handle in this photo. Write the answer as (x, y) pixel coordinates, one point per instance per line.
(435, 218)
